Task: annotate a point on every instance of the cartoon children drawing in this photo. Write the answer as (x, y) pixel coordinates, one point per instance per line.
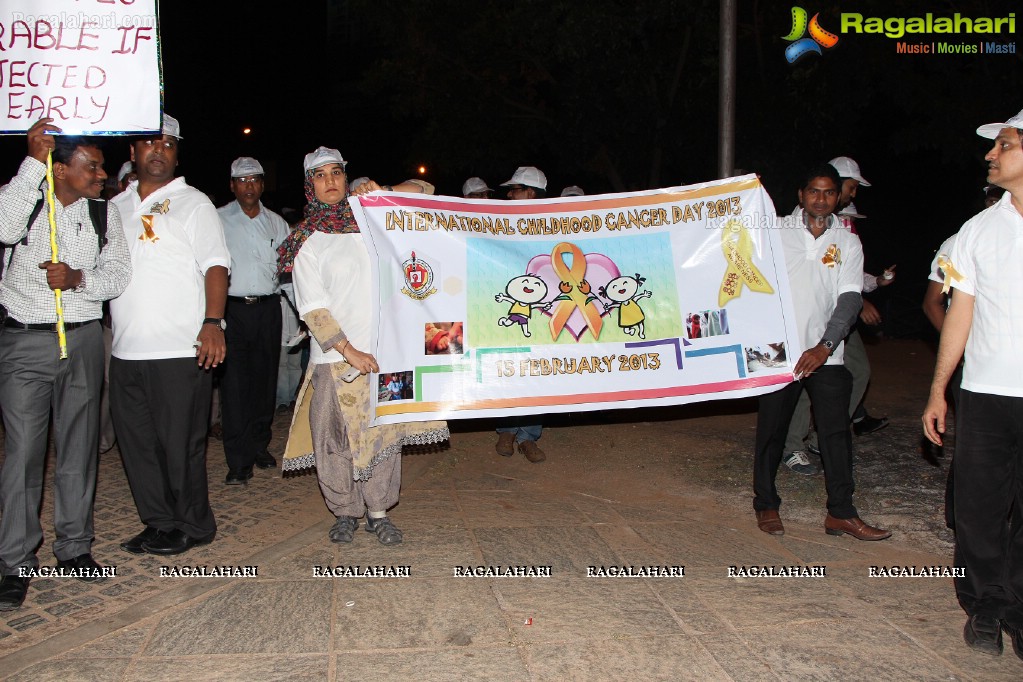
(622, 292)
(525, 293)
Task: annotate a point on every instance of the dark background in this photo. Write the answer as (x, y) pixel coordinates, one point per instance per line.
(609, 95)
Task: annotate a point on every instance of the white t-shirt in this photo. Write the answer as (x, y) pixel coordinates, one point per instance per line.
(988, 254)
(820, 270)
(332, 271)
(160, 313)
(253, 244)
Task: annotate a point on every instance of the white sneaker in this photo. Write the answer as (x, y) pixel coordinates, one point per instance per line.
(800, 463)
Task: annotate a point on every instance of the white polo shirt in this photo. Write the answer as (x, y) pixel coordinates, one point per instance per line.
(160, 313)
(332, 271)
(989, 256)
(820, 270)
(253, 243)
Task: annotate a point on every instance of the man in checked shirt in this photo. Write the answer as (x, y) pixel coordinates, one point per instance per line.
(93, 267)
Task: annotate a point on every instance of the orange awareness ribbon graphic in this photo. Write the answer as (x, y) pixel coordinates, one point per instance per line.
(945, 263)
(147, 230)
(738, 249)
(568, 302)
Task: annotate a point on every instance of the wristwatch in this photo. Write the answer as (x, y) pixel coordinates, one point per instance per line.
(830, 345)
(219, 321)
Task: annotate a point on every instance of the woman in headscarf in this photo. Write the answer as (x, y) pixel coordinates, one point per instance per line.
(358, 466)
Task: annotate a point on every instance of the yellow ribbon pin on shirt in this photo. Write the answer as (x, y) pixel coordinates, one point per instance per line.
(737, 246)
(945, 263)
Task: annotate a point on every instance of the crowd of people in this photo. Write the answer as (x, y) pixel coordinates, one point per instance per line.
(191, 288)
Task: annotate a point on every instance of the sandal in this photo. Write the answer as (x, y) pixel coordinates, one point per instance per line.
(386, 531)
(343, 529)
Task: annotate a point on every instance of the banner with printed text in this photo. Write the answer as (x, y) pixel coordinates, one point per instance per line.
(93, 66)
(494, 308)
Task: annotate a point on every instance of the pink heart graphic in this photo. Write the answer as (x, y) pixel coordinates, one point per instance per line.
(599, 271)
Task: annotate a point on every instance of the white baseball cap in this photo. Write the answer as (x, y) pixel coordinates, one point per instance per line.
(847, 168)
(573, 191)
(126, 167)
(245, 165)
(321, 157)
(473, 185)
(991, 130)
(171, 126)
(530, 176)
(851, 212)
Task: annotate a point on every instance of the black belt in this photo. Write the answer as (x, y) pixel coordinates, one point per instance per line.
(11, 323)
(250, 300)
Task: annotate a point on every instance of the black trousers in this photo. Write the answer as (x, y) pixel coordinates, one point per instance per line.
(830, 389)
(161, 411)
(988, 466)
(248, 384)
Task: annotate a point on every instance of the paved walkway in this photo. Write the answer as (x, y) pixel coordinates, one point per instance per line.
(605, 497)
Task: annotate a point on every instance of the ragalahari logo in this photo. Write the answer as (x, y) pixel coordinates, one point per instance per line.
(801, 46)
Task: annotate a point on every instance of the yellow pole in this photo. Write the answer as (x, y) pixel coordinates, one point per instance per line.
(52, 213)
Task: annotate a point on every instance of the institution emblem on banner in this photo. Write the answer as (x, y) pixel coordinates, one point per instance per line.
(418, 278)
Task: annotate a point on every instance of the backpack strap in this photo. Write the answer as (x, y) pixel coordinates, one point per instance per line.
(98, 214)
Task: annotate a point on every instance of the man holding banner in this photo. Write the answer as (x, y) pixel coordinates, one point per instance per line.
(528, 182)
(825, 269)
(94, 266)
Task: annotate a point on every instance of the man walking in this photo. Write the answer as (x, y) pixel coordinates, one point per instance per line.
(985, 318)
(825, 268)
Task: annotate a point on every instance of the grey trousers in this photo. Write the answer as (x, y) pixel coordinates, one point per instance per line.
(33, 379)
(334, 470)
(858, 365)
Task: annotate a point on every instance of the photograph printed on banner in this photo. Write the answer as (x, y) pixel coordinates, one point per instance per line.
(444, 338)
(707, 323)
(769, 356)
(395, 386)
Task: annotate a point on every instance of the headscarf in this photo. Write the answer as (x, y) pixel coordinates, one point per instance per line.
(319, 217)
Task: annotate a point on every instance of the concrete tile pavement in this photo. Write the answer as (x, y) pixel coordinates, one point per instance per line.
(466, 507)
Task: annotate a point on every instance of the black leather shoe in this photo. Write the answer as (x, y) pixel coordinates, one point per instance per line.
(174, 542)
(12, 592)
(266, 461)
(238, 477)
(84, 566)
(134, 546)
(1016, 636)
(869, 425)
(984, 634)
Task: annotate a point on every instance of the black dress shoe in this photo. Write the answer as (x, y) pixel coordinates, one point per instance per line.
(266, 461)
(134, 546)
(84, 566)
(238, 476)
(869, 425)
(12, 592)
(1016, 635)
(984, 634)
(174, 542)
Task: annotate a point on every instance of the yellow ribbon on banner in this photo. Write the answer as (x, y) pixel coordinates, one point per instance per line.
(573, 299)
(737, 246)
(945, 263)
(52, 213)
